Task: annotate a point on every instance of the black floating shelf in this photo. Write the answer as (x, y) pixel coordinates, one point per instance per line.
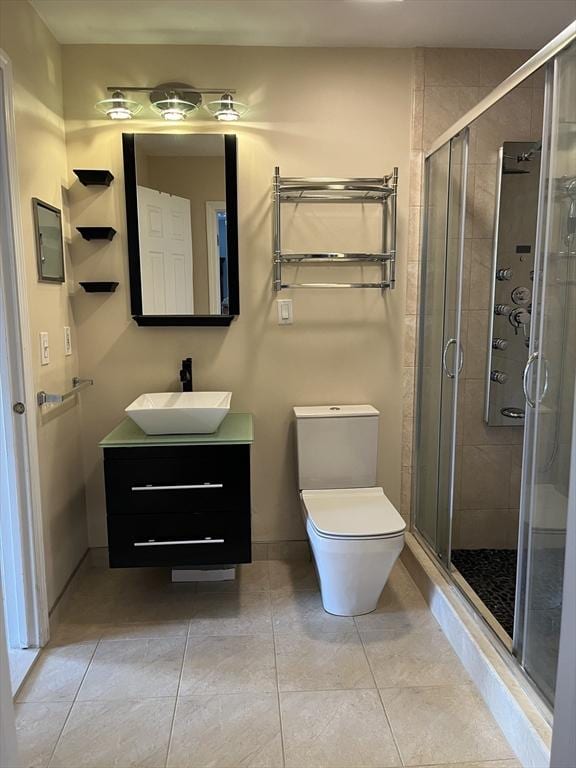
(97, 233)
(99, 287)
(94, 178)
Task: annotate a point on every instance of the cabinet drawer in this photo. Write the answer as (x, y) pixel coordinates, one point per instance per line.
(185, 480)
(179, 539)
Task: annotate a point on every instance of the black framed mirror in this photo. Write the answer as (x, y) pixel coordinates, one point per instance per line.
(182, 222)
(49, 242)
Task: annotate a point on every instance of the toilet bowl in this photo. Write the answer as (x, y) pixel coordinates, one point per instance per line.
(356, 536)
(355, 532)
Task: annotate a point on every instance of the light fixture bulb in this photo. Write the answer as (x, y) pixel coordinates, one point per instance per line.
(226, 109)
(119, 113)
(173, 114)
(172, 105)
(118, 107)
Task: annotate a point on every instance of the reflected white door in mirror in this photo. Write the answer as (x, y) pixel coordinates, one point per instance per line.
(165, 253)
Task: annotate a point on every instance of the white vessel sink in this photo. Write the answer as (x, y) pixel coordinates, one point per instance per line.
(180, 413)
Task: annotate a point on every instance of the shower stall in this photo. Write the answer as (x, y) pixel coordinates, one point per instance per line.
(496, 370)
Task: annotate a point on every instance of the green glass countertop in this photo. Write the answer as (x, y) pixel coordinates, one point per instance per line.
(236, 428)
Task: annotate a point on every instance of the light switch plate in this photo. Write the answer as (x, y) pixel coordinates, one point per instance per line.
(67, 341)
(44, 348)
(285, 313)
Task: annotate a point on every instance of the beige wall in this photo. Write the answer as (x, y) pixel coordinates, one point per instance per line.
(42, 166)
(314, 112)
(447, 84)
(199, 179)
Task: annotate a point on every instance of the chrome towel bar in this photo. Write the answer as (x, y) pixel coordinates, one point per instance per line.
(383, 190)
(78, 384)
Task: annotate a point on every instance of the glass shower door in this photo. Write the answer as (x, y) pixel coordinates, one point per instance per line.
(550, 379)
(429, 385)
(440, 350)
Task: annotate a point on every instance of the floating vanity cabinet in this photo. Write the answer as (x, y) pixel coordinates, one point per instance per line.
(178, 500)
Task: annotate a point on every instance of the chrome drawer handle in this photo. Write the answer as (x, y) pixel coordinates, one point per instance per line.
(201, 486)
(176, 543)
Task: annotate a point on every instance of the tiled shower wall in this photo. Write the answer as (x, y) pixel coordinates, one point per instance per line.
(446, 84)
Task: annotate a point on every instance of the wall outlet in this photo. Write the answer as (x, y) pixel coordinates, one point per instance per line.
(67, 341)
(44, 348)
(285, 313)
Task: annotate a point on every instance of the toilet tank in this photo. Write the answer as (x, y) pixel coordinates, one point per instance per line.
(337, 446)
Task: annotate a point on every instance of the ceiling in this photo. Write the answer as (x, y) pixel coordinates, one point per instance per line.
(363, 23)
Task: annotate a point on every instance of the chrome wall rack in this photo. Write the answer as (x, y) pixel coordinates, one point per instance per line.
(380, 191)
(78, 384)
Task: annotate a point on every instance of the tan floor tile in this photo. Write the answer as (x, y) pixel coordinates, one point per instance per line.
(66, 633)
(401, 606)
(301, 610)
(236, 664)
(38, 727)
(57, 674)
(250, 577)
(146, 630)
(340, 729)
(138, 669)
(483, 764)
(239, 730)
(292, 574)
(238, 614)
(160, 602)
(289, 550)
(115, 734)
(443, 724)
(318, 661)
(403, 658)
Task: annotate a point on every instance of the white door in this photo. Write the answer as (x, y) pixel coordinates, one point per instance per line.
(165, 253)
(22, 568)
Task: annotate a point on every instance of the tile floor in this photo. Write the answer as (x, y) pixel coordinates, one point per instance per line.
(252, 674)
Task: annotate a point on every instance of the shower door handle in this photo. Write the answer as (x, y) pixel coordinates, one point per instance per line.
(526, 375)
(451, 374)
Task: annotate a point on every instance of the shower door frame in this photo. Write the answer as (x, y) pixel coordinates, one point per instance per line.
(543, 57)
(451, 336)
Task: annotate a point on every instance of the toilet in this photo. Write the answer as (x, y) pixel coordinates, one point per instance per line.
(355, 532)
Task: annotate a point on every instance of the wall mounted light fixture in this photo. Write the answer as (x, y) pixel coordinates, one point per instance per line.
(173, 102)
(226, 109)
(118, 107)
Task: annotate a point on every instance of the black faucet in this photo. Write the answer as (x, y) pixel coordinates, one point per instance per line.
(186, 374)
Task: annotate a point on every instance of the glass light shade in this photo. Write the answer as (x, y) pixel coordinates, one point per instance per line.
(118, 107)
(226, 109)
(174, 108)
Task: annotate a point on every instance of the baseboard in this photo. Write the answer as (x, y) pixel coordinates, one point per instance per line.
(520, 713)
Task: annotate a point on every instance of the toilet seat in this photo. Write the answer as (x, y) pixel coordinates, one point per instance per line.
(352, 513)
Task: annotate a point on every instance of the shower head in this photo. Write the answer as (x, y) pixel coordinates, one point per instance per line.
(514, 168)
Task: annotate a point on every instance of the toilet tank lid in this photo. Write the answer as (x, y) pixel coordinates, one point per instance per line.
(331, 411)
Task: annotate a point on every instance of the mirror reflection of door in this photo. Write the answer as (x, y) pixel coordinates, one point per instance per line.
(181, 183)
(165, 253)
(217, 244)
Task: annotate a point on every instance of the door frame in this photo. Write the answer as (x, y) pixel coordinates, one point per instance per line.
(24, 538)
(215, 296)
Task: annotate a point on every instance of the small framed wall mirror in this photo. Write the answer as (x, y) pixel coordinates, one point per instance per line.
(182, 219)
(49, 242)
